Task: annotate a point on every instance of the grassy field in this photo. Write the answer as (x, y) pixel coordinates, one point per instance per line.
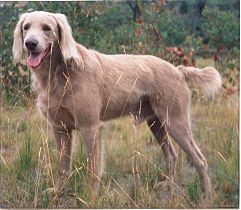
(29, 162)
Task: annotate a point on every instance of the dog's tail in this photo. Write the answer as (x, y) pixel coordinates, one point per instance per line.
(208, 79)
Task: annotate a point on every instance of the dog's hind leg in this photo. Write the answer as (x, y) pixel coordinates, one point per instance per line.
(179, 129)
(160, 133)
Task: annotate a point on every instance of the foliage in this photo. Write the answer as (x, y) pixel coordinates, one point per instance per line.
(221, 28)
(14, 80)
(172, 26)
(109, 28)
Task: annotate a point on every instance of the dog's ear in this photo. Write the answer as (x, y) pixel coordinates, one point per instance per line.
(67, 43)
(17, 49)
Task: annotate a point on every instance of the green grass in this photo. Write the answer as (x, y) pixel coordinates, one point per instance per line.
(25, 172)
(219, 129)
(194, 190)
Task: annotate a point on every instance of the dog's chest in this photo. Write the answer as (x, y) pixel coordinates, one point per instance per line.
(54, 110)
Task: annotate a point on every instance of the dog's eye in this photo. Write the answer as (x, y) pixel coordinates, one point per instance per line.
(46, 28)
(26, 27)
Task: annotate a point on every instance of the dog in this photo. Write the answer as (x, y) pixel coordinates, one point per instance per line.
(79, 88)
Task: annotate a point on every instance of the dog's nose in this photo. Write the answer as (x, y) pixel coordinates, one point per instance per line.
(31, 44)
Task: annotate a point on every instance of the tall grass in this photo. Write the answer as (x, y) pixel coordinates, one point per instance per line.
(134, 164)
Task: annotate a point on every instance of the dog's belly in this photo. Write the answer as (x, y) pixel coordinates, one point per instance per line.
(138, 109)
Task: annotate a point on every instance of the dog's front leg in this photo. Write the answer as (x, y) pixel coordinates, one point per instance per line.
(64, 140)
(92, 140)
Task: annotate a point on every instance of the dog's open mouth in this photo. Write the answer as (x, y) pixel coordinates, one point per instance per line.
(35, 58)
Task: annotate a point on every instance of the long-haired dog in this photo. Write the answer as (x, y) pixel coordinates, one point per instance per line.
(78, 88)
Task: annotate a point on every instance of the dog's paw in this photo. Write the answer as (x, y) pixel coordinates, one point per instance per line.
(164, 185)
(206, 199)
(52, 191)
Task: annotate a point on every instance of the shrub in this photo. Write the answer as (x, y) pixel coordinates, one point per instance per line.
(109, 28)
(221, 28)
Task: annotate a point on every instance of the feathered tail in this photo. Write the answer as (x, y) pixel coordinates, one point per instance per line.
(208, 79)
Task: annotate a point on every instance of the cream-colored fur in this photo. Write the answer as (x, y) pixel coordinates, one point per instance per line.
(208, 79)
(18, 51)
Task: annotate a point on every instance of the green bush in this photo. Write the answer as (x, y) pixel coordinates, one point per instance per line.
(221, 28)
(109, 27)
(173, 27)
(14, 79)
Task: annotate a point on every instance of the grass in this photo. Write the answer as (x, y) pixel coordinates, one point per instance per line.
(133, 162)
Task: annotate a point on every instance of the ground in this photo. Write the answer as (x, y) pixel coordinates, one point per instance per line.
(133, 162)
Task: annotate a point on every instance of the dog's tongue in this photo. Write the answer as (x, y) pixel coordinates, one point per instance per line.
(34, 59)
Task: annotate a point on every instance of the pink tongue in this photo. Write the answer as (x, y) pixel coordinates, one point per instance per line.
(34, 60)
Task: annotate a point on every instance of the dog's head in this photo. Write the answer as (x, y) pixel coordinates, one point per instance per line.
(37, 32)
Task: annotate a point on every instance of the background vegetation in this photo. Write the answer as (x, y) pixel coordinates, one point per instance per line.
(188, 32)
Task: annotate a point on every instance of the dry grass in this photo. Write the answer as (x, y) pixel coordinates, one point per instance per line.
(134, 162)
